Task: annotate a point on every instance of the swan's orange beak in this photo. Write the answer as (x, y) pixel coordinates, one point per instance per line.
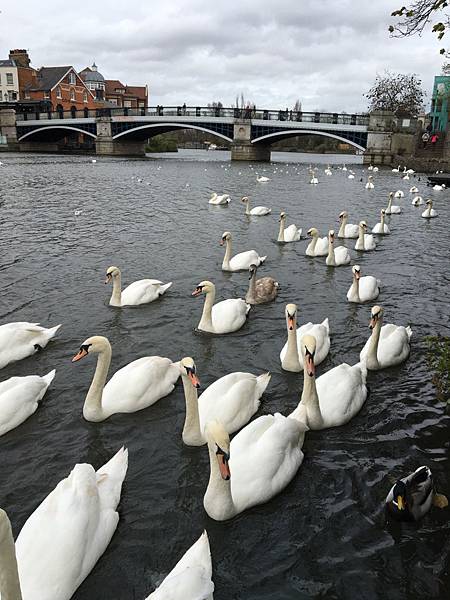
(108, 278)
(197, 291)
(291, 323)
(310, 366)
(357, 275)
(81, 354)
(221, 242)
(194, 379)
(222, 459)
(373, 321)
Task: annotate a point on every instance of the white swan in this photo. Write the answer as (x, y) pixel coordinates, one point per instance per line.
(351, 176)
(290, 234)
(347, 230)
(317, 246)
(399, 194)
(328, 171)
(65, 536)
(375, 169)
(392, 210)
(241, 261)
(291, 355)
(19, 399)
(257, 211)
(438, 188)
(430, 212)
(388, 345)
(370, 168)
(262, 179)
(232, 399)
(381, 228)
(224, 317)
(344, 168)
(222, 199)
(21, 339)
(417, 201)
(135, 386)
(142, 291)
(262, 290)
(370, 185)
(313, 180)
(406, 177)
(260, 461)
(335, 397)
(396, 170)
(365, 241)
(363, 289)
(336, 256)
(191, 577)
(413, 190)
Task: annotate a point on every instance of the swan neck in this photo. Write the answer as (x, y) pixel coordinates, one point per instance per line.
(92, 410)
(354, 290)
(226, 258)
(206, 323)
(361, 237)
(9, 575)
(247, 207)
(390, 202)
(218, 501)
(281, 231)
(191, 431)
(382, 222)
(330, 258)
(310, 400)
(372, 352)
(116, 296)
(251, 294)
(341, 232)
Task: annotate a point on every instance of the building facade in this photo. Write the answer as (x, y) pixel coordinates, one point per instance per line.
(95, 82)
(125, 96)
(9, 81)
(440, 104)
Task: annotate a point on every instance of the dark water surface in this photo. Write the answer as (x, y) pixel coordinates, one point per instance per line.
(322, 537)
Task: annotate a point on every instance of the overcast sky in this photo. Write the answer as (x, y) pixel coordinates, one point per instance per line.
(327, 53)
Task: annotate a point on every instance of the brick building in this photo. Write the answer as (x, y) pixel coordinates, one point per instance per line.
(126, 96)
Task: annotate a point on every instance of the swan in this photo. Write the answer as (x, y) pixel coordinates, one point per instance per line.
(317, 246)
(19, 398)
(381, 228)
(290, 234)
(347, 230)
(365, 241)
(410, 171)
(241, 261)
(262, 290)
(191, 578)
(337, 395)
(399, 194)
(392, 210)
(370, 185)
(135, 386)
(388, 345)
(291, 355)
(260, 461)
(417, 201)
(224, 317)
(232, 399)
(142, 291)
(222, 199)
(262, 179)
(406, 177)
(411, 497)
(258, 211)
(328, 171)
(344, 168)
(363, 289)
(429, 213)
(21, 339)
(62, 540)
(375, 169)
(413, 190)
(438, 188)
(336, 256)
(313, 179)
(396, 170)
(370, 168)
(351, 176)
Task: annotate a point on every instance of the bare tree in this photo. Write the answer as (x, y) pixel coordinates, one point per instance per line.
(413, 19)
(398, 93)
(297, 106)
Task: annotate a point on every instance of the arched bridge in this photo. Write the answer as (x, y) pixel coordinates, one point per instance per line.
(249, 132)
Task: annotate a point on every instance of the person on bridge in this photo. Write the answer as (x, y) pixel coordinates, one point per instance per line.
(425, 138)
(183, 108)
(434, 139)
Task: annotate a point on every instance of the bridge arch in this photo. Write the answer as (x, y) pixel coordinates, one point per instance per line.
(41, 129)
(280, 135)
(168, 127)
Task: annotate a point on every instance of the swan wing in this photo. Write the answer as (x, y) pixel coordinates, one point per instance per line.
(141, 292)
(19, 340)
(342, 255)
(321, 332)
(243, 260)
(369, 288)
(351, 231)
(229, 315)
(139, 384)
(292, 233)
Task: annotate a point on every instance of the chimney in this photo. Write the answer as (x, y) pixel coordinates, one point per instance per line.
(20, 57)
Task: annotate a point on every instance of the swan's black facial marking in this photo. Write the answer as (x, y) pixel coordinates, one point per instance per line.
(223, 458)
(37, 347)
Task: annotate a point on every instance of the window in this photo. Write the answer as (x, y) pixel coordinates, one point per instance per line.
(58, 92)
(9, 79)
(12, 96)
(113, 101)
(85, 99)
(127, 103)
(72, 79)
(72, 94)
(47, 95)
(27, 95)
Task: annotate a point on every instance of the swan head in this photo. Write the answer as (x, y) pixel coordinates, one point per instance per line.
(363, 225)
(291, 314)
(226, 237)
(382, 212)
(313, 232)
(309, 344)
(92, 345)
(112, 272)
(245, 199)
(370, 178)
(204, 287)
(282, 215)
(331, 235)
(252, 270)
(343, 214)
(429, 202)
(188, 369)
(219, 439)
(376, 315)
(356, 270)
(391, 195)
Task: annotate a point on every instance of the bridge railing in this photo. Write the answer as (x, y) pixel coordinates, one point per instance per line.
(203, 111)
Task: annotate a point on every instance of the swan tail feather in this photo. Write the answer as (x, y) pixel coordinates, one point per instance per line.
(51, 332)
(262, 381)
(262, 259)
(163, 288)
(248, 308)
(49, 377)
(326, 323)
(110, 477)
(409, 331)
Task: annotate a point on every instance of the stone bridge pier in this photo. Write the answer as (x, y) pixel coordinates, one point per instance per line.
(242, 147)
(389, 136)
(105, 144)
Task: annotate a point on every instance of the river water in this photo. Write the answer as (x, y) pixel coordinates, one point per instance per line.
(325, 535)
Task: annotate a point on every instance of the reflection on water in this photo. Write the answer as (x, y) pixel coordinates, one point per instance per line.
(325, 535)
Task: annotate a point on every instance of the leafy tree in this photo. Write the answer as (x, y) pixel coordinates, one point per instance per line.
(396, 92)
(420, 13)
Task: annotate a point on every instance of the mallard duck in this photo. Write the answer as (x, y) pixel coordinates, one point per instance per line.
(411, 497)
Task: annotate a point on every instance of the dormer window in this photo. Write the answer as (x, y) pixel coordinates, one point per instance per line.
(72, 79)
(85, 98)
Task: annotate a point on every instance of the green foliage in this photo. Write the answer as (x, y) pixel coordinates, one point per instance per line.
(438, 357)
(414, 18)
(160, 144)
